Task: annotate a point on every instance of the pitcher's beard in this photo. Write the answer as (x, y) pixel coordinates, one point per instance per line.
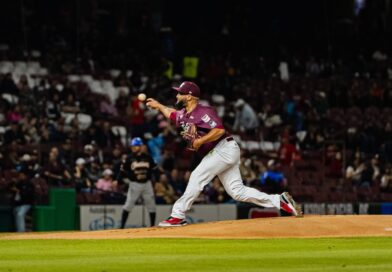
(180, 105)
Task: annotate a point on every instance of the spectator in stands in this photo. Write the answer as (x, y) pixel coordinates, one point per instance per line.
(218, 101)
(90, 134)
(156, 140)
(268, 117)
(386, 179)
(313, 139)
(287, 152)
(44, 130)
(89, 154)
(164, 192)
(168, 160)
(67, 151)
(246, 119)
(106, 108)
(80, 176)
(2, 164)
(273, 181)
(355, 169)
(93, 170)
(122, 103)
(375, 163)
(55, 151)
(114, 157)
(109, 188)
(105, 137)
(11, 156)
(15, 114)
(29, 129)
(14, 133)
(55, 172)
(386, 140)
(367, 175)
(335, 166)
(2, 113)
(59, 134)
(23, 85)
(376, 94)
(70, 105)
(320, 104)
(53, 106)
(178, 182)
(23, 191)
(215, 192)
(8, 85)
(247, 172)
(25, 166)
(312, 67)
(35, 163)
(106, 182)
(155, 144)
(136, 111)
(74, 131)
(290, 110)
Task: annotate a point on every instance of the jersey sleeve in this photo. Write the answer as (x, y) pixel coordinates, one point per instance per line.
(211, 119)
(173, 116)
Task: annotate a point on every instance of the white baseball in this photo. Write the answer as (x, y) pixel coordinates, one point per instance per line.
(142, 96)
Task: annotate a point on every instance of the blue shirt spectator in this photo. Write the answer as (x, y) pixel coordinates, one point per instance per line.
(155, 145)
(273, 180)
(273, 176)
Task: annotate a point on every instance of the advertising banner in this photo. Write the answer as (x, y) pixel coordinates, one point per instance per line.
(340, 208)
(99, 217)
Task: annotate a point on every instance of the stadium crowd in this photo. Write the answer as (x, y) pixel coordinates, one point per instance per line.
(66, 134)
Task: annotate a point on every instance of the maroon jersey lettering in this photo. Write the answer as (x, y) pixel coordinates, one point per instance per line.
(204, 118)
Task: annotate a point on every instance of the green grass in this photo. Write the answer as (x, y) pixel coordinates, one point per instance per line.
(340, 254)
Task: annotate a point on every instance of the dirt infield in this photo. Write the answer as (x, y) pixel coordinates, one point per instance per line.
(283, 227)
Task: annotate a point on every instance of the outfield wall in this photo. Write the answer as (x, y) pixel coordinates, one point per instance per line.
(97, 217)
(246, 211)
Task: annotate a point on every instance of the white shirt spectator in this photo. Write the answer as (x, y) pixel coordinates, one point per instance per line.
(284, 71)
(245, 117)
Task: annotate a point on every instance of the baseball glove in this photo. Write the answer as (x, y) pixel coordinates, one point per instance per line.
(190, 135)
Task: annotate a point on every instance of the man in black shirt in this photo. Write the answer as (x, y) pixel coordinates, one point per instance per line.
(24, 192)
(138, 169)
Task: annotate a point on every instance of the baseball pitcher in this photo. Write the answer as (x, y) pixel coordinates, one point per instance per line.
(204, 132)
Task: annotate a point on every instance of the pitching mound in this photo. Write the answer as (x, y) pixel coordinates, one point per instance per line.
(278, 227)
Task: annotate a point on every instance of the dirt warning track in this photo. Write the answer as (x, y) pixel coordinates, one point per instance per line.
(263, 228)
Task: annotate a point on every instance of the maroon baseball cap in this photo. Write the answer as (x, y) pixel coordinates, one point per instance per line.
(188, 87)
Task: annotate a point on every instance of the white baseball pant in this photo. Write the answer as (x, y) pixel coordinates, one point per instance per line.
(137, 189)
(223, 161)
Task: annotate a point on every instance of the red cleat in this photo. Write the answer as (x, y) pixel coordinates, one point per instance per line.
(288, 204)
(173, 222)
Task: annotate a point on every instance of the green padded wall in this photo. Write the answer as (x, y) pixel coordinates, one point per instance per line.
(60, 214)
(44, 218)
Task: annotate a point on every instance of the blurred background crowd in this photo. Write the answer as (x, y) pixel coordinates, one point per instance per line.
(305, 88)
